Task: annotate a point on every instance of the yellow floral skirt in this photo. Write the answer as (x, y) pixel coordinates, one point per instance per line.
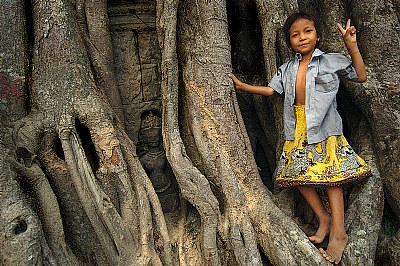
(331, 162)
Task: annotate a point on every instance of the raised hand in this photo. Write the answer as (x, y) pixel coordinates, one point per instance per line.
(349, 33)
(350, 40)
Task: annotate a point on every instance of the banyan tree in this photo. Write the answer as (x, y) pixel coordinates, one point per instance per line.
(124, 142)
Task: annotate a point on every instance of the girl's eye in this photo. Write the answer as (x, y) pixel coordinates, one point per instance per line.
(294, 35)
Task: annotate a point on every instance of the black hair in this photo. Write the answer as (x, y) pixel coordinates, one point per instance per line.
(296, 16)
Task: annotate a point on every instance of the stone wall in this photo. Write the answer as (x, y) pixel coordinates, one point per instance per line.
(137, 57)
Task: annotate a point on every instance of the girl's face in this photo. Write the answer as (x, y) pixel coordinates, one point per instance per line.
(303, 36)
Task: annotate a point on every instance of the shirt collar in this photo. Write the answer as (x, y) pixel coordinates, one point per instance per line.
(317, 52)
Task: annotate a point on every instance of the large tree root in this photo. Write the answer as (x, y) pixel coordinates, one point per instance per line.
(193, 184)
(364, 213)
(22, 241)
(77, 226)
(236, 226)
(154, 234)
(111, 185)
(106, 221)
(48, 212)
(99, 45)
(115, 229)
(388, 249)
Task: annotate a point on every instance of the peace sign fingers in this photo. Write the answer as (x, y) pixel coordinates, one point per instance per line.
(348, 33)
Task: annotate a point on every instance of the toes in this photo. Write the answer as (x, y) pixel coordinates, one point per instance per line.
(328, 256)
(323, 253)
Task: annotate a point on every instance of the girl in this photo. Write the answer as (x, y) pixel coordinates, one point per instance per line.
(315, 153)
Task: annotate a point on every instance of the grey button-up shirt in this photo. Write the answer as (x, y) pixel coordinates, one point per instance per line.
(322, 83)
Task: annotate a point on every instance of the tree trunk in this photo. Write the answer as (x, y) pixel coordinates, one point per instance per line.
(73, 190)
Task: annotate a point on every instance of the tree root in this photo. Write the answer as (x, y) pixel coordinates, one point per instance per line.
(365, 210)
(388, 252)
(106, 221)
(193, 184)
(77, 226)
(49, 212)
(22, 241)
(241, 237)
(157, 238)
(102, 57)
(114, 229)
(26, 135)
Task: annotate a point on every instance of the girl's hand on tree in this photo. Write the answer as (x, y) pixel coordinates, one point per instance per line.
(348, 34)
(238, 84)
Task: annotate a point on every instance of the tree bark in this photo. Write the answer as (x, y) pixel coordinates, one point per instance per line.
(101, 52)
(13, 61)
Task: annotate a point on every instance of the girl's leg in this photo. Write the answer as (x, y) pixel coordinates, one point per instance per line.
(337, 238)
(312, 197)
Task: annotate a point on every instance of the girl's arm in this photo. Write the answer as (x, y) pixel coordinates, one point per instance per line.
(262, 90)
(350, 40)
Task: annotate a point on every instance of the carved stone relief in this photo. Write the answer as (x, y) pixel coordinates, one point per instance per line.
(138, 58)
(152, 156)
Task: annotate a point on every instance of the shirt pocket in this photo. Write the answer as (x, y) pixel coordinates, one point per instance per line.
(325, 83)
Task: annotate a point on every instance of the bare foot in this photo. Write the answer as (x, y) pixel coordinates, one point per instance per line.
(335, 248)
(322, 231)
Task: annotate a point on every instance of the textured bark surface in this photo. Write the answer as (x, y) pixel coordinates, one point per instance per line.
(72, 188)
